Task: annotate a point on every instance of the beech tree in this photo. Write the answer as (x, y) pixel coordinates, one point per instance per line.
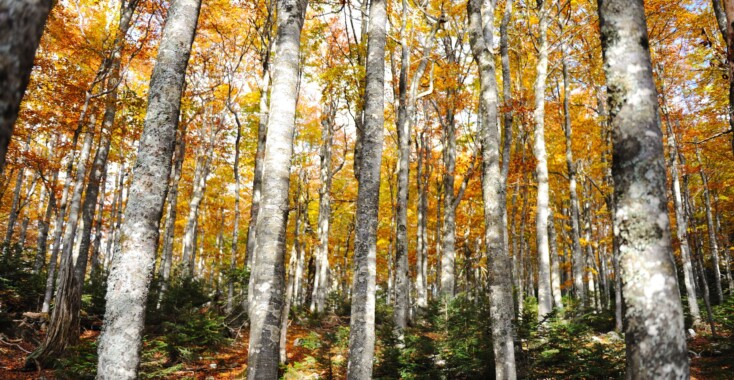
(269, 267)
(656, 344)
(131, 268)
(362, 322)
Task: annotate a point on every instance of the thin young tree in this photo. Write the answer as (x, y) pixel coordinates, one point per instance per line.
(269, 268)
(655, 337)
(132, 266)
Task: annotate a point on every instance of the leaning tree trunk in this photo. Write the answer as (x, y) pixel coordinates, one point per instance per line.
(269, 269)
(20, 32)
(100, 158)
(481, 19)
(655, 336)
(545, 298)
(362, 322)
(131, 268)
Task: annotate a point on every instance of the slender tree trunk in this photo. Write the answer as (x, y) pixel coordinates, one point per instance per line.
(14, 213)
(192, 222)
(545, 297)
(321, 284)
(20, 32)
(481, 30)
(725, 20)
(94, 257)
(577, 256)
(64, 325)
(236, 222)
(362, 322)
(681, 221)
(555, 265)
(170, 227)
(131, 268)
(269, 269)
(421, 279)
(108, 122)
(713, 244)
(656, 343)
(43, 226)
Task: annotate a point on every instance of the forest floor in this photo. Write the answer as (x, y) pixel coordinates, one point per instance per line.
(710, 359)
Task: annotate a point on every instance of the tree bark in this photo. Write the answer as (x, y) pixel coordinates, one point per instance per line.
(362, 322)
(14, 213)
(188, 248)
(481, 30)
(545, 297)
(114, 77)
(170, 226)
(236, 222)
(21, 28)
(555, 265)
(655, 337)
(269, 269)
(131, 267)
(713, 244)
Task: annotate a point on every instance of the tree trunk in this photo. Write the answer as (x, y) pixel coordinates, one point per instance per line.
(481, 30)
(713, 244)
(576, 255)
(555, 265)
(108, 123)
(20, 33)
(269, 269)
(545, 297)
(170, 227)
(192, 222)
(656, 343)
(681, 220)
(64, 324)
(236, 222)
(362, 322)
(321, 283)
(94, 257)
(421, 278)
(43, 225)
(131, 268)
(13, 217)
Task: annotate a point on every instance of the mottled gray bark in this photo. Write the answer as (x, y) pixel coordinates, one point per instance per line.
(94, 255)
(268, 272)
(43, 226)
(725, 20)
(21, 26)
(481, 30)
(362, 322)
(545, 297)
(131, 267)
(655, 336)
